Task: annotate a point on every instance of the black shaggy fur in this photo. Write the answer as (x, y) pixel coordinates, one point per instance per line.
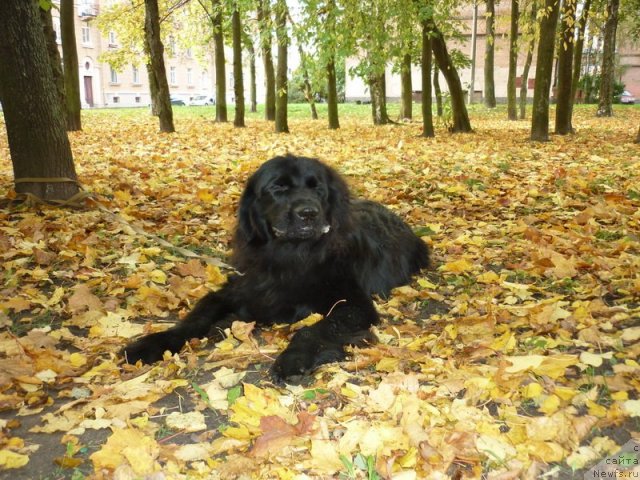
(303, 246)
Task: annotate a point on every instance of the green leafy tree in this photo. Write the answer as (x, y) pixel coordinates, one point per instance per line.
(281, 12)
(406, 93)
(425, 14)
(460, 120)
(324, 30)
(605, 108)
(564, 97)
(127, 22)
(302, 77)
(158, 72)
(215, 11)
(489, 56)
(265, 27)
(370, 27)
(512, 109)
(248, 42)
(405, 47)
(238, 77)
(528, 36)
(579, 49)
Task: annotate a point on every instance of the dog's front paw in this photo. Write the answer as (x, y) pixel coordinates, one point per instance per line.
(291, 366)
(295, 363)
(148, 349)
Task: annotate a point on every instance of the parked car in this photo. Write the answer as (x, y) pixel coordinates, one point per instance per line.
(177, 101)
(627, 98)
(200, 100)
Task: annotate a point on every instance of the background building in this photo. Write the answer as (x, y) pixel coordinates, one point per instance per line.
(103, 86)
(628, 54)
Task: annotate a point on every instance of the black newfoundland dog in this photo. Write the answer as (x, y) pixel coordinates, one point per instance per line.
(303, 246)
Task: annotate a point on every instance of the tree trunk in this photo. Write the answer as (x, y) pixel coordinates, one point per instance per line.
(564, 99)
(474, 53)
(590, 89)
(378, 94)
(489, 83)
(53, 54)
(264, 24)
(524, 87)
(252, 74)
(406, 104)
(436, 88)
(35, 122)
(544, 67)
(156, 54)
(220, 64)
(512, 108)
(311, 100)
(306, 84)
(332, 83)
(461, 122)
(577, 54)
(427, 114)
(71, 68)
(605, 106)
(638, 136)
(153, 84)
(153, 89)
(282, 86)
(332, 95)
(238, 80)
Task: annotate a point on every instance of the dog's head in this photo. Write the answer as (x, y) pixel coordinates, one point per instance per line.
(292, 199)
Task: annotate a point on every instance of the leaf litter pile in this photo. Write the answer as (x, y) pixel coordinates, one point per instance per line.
(516, 355)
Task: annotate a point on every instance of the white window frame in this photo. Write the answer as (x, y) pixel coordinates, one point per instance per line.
(86, 35)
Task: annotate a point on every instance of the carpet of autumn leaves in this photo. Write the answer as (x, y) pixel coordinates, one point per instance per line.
(514, 357)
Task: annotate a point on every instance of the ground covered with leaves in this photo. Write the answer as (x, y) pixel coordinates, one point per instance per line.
(514, 357)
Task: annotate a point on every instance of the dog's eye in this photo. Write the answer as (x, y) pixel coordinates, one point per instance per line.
(278, 188)
(311, 182)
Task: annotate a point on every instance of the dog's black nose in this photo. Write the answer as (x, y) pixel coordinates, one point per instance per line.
(306, 212)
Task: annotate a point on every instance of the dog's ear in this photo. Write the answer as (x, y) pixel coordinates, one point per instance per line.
(339, 198)
(252, 227)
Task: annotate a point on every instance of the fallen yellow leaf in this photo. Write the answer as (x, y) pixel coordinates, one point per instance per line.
(9, 459)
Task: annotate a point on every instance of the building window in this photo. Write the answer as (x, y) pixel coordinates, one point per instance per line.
(86, 8)
(86, 35)
(189, 76)
(172, 76)
(112, 39)
(138, 99)
(172, 46)
(116, 99)
(136, 74)
(114, 76)
(188, 53)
